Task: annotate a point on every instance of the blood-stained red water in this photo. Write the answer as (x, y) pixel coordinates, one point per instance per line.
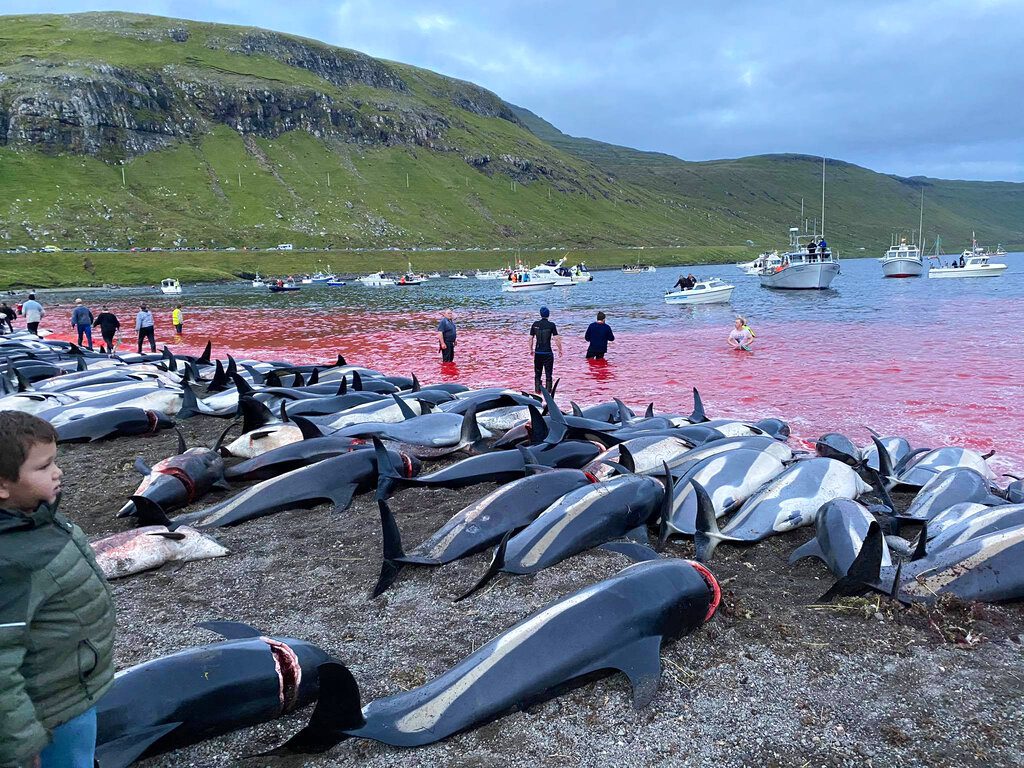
(841, 376)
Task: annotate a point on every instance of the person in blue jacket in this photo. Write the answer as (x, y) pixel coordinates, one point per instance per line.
(598, 334)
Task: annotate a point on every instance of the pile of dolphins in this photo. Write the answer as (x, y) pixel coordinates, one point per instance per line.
(602, 476)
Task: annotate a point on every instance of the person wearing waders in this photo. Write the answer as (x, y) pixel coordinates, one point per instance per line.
(446, 336)
(541, 333)
(81, 320)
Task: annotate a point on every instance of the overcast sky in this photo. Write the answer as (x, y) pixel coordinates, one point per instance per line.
(921, 87)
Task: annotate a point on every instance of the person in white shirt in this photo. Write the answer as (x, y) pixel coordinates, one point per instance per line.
(144, 325)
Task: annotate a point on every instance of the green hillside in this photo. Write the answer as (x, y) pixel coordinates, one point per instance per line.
(126, 130)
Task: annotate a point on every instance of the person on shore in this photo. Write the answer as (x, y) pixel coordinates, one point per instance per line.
(7, 315)
(177, 319)
(541, 333)
(598, 334)
(33, 313)
(81, 320)
(446, 336)
(145, 327)
(56, 610)
(108, 323)
(741, 337)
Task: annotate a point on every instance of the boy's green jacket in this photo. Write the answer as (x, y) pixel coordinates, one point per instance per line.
(56, 630)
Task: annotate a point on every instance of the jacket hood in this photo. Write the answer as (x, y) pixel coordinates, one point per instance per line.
(13, 520)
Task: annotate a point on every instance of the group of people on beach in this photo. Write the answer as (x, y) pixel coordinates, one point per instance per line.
(83, 321)
(544, 340)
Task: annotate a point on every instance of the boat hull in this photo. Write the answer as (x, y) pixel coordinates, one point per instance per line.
(902, 268)
(533, 285)
(991, 270)
(710, 296)
(800, 277)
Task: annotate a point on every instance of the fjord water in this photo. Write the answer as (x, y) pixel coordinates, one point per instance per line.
(938, 361)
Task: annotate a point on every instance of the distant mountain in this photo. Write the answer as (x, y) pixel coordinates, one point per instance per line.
(120, 129)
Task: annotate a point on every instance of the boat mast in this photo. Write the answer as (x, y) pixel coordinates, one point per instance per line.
(920, 224)
(823, 197)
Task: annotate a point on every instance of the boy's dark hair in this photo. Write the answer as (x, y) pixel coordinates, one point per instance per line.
(18, 433)
(600, 315)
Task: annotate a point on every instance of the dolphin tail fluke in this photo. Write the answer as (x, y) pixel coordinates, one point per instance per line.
(921, 550)
(576, 410)
(698, 414)
(391, 564)
(864, 572)
(338, 709)
(497, 563)
(150, 512)
(708, 535)
(142, 467)
(205, 357)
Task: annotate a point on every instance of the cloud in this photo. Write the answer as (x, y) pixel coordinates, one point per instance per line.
(907, 86)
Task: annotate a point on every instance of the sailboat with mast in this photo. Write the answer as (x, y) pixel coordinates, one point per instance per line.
(904, 259)
(805, 266)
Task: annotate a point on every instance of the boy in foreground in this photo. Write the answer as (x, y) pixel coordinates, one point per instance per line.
(56, 612)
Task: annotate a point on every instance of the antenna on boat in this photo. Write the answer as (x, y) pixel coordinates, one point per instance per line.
(823, 197)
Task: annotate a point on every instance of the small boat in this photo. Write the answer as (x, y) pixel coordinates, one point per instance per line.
(766, 259)
(410, 279)
(457, 276)
(709, 291)
(377, 279)
(637, 269)
(258, 282)
(434, 275)
(170, 286)
(523, 280)
(491, 274)
(975, 265)
(999, 252)
(902, 260)
(554, 272)
(306, 280)
(283, 286)
(581, 274)
(335, 283)
(323, 277)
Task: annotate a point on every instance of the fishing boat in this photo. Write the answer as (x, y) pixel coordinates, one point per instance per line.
(999, 252)
(457, 276)
(377, 279)
(975, 265)
(306, 280)
(434, 275)
(410, 279)
(258, 282)
(766, 259)
(284, 286)
(637, 269)
(522, 281)
(170, 286)
(335, 283)
(709, 291)
(903, 259)
(323, 277)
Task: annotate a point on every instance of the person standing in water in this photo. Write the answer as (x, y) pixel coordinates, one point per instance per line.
(598, 334)
(177, 319)
(541, 333)
(741, 337)
(144, 325)
(446, 335)
(81, 320)
(33, 313)
(108, 323)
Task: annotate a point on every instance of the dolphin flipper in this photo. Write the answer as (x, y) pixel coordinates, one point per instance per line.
(497, 563)
(811, 549)
(638, 553)
(122, 752)
(640, 661)
(141, 467)
(341, 496)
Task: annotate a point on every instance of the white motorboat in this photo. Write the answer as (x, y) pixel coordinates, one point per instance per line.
(902, 260)
(491, 274)
(521, 281)
(975, 265)
(709, 291)
(457, 276)
(581, 274)
(170, 286)
(258, 282)
(766, 259)
(377, 279)
(434, 275)
(306, 280)
(554, 272)
(410, 279)
(638, 269)
(801, 268)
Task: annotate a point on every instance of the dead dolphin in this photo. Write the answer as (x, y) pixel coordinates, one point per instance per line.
(840, 526)
(834, 445)
(334, 480)
(248, 679)
(113, 423)
(949, 487)
(922, 468)
(641, 455)
(142, 549)
(179, 480)
(580, 520)
(971, 523)
(479, 525)
(789, 501)
(729, 479)
(617, 624)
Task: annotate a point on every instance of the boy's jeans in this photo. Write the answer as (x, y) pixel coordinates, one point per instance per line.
(73, 744)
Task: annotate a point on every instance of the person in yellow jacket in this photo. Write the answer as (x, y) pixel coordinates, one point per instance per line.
(176, 319)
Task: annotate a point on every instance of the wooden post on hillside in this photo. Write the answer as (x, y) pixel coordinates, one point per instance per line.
(123, 183)
(407, 181)
(328, 178)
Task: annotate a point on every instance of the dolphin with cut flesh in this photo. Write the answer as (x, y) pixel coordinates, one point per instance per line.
(142, 549)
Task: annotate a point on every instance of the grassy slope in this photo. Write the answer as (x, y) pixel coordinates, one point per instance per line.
(862, 207)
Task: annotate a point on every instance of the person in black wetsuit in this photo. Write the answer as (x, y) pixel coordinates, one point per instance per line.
(598, 334)
(446, 335)
(7, 316)
(541, 333)
(108, 324)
